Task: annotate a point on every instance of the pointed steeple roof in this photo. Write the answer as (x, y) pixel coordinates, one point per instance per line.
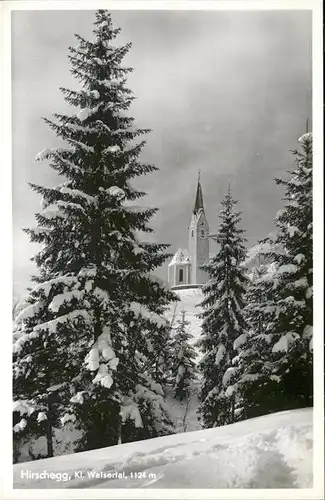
(199, 197)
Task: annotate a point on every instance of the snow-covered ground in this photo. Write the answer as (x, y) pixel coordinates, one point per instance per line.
(64, 439)
(273, 451)
(184, 413)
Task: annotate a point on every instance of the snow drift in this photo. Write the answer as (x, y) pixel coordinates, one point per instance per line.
(273, 451)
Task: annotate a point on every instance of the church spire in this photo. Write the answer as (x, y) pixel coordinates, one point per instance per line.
(199, 196)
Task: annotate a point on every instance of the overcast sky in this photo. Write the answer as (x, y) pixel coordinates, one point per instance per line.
(225, 92)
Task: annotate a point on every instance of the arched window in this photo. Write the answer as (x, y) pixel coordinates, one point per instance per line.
(181, 275)
(202, 233)
(192, 233)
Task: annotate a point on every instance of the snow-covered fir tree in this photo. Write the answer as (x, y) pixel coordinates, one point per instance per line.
(89, 343)
(183, 354)
(289, 325)
(222, 318)
(293, 326)
(252, 361)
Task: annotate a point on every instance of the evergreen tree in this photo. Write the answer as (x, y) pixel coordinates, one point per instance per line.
(252, 362)
(223, 319)
(92, 332)
(183, 356)
(293, 323)
(281, 373)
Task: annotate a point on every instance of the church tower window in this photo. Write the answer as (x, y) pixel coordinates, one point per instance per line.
(181, 275)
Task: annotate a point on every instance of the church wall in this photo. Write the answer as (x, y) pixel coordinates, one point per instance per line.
(171, 275)
(182, 271)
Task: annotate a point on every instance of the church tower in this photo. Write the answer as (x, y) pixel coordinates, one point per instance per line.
(198, 238)
(184, 268)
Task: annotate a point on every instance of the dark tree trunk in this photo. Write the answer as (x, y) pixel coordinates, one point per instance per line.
(49, 439)
(232, 410)
(49, 432)
(119, 431)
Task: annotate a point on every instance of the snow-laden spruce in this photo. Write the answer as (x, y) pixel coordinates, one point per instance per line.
(80, 331)
(222, 318)
(183, 367)
(278, 355)
(253, 352)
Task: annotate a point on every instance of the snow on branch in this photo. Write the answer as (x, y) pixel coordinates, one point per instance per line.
(129, 410)
(65, 298)
(80, 128)
(305, 137)
(103, 377)
(143, 392)
(52, 212)
(82, 145)
(285, 341)
(102, 347)
(78, 194)
(46, 287)
(25, 337)
(116, 192)
(23, 407)
(105, 345)
(240, 341)
(141, 311)
(112, 149)
(88, 272)
(300, 257)
(101, 126)
(44, 154)
(20, 426)
(29, 311)
(41, 416)
(308, 331)
(102, 295)
(220, 354)
(228, 375)
(69, 163)
(78, 398)
(40, 231)
(112, 82)
(67, 417)
(287, 268)
(85, 113)
(292, 230)
(51, 326)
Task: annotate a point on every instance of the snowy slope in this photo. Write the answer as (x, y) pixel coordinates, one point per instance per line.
(274, 451)
(189, 299)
